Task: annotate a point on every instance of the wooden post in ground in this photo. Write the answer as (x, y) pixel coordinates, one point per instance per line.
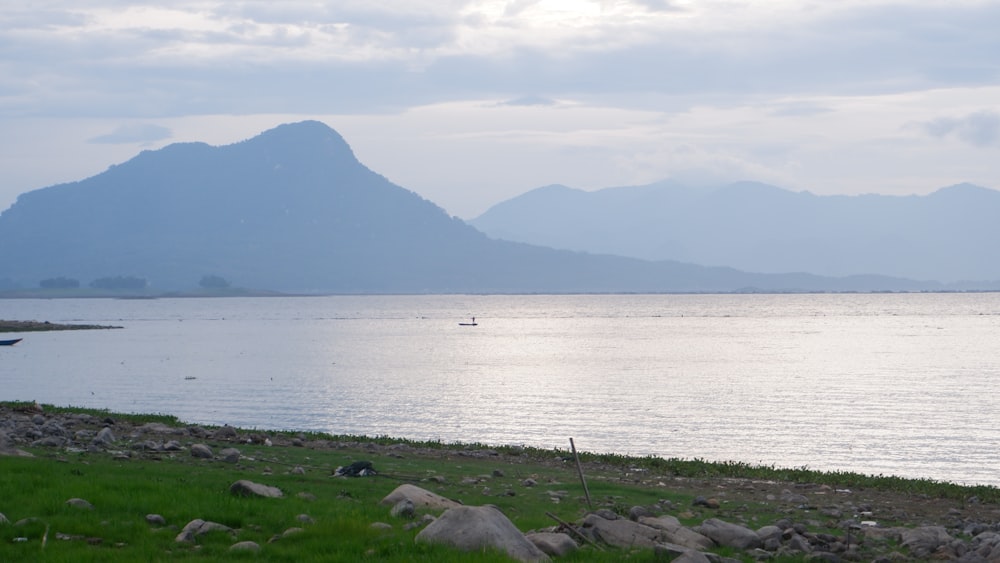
(579, 469)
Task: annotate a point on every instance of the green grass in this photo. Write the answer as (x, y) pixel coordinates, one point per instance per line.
(182, 488)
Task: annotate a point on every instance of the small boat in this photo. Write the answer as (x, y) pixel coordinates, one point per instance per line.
(10, 342)
(473, 323)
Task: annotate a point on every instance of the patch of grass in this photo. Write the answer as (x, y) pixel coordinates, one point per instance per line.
(124, 489)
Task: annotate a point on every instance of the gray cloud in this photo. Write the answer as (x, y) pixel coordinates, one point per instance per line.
(412, 56)
(529, 101)
(137, 133)
(981, 129)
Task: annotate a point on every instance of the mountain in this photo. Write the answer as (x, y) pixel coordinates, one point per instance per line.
(293, 210)
(948, 236)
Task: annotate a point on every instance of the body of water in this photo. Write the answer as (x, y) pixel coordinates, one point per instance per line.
(895, 384)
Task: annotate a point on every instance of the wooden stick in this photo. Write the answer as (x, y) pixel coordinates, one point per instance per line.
(574, 530)
(579, 469)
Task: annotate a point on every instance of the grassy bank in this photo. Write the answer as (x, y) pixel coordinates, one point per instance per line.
(335, 514)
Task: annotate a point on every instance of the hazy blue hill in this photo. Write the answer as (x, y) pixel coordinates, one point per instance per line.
(948, 236)
(293, 210)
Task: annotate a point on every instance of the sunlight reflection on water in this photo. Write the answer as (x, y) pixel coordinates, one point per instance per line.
(892, 384)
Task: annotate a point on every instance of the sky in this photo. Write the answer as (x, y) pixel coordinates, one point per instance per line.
(472, 102)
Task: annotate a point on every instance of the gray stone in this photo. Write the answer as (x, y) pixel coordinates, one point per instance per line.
(50, 442)
(199, 527)
(472, 528)
(172, 446)
(793, 498)
(799, 543)
(245, 546)
(769, 532)
(622, 533)
(156, 520)
(230, 455)
(553, 544)
(421, 498)
(104, 437)
(298, 470)
(155, 428)
(225, 433)
(671, 530)
(381, 526)
(305, 519)
(3, 519)
(924, 540)
(80, 503)
(250, 489)
(637, 512)
(403, 509)
(730, 535)
(201, 451)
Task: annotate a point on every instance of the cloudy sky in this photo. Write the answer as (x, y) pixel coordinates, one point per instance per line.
(470, 102)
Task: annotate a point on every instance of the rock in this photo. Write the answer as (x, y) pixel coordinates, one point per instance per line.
(245, 546)
(230, 455)
(250, 489)
(621, 533)
(731, 535)
(671, 530)
(172, 446)
(637, 512)
(421, 498)
(793, 498)
(80, 503)
(156, 520)
(298, 470)
(769, 532)
(104, 437)
(381, 526)
(201, 451)
(529, 482)
(3, 519)
(553, 544)
(925, 540)
(305, 519)
(225, 433)
(403, 509)
(50, 442)
(472, 528)
(155, 428)
(678, 554)
(199, 527)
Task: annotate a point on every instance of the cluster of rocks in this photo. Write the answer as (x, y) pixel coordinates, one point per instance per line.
(474, 528)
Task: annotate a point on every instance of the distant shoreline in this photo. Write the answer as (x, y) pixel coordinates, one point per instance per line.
(44, 326)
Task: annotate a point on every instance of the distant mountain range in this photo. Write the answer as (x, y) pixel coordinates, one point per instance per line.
(293, 210)
(950, 235)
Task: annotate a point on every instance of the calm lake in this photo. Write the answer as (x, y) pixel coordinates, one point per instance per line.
(895, 384)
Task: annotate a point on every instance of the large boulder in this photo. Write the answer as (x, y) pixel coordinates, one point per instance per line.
(421, 498)
(473, 528)
(730, 535)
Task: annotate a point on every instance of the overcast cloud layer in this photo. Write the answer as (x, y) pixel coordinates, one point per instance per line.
(472, 102)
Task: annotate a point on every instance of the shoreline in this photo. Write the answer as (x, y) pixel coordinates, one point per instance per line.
(874, 512)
